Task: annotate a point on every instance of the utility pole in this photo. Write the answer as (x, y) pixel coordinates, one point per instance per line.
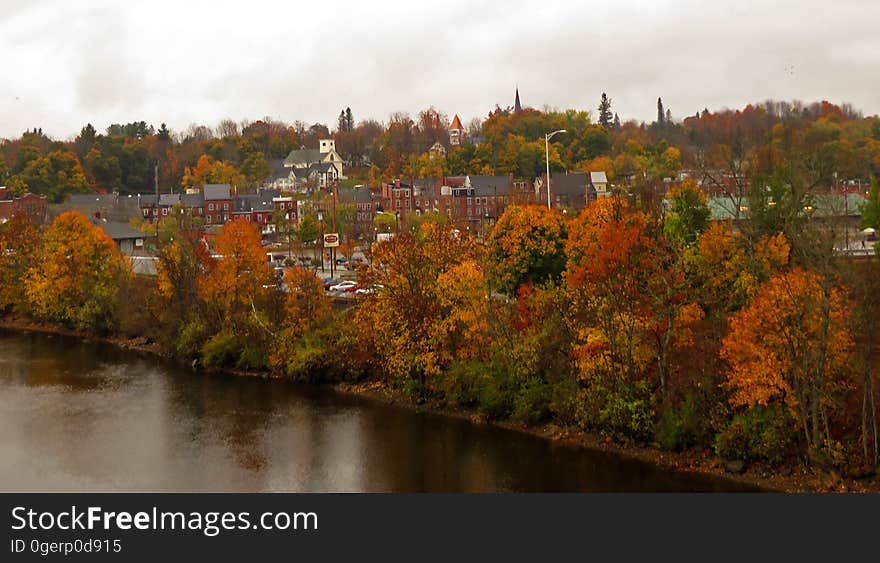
(156, 185)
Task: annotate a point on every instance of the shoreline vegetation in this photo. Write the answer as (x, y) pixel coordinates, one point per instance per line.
(703, 463)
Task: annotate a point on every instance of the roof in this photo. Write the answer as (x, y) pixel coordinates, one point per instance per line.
(490, 185)
(598, 178)
(251, 202)
(321, 167)
(121, 231)
(169, 199)
(827, 205)
(569, 184)
(278, 170)
(360, 194)
(303, 156)
(192, 200)
(216, 191)
(456, 123)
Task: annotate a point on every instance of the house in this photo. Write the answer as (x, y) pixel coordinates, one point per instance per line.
(598, 185)
(30, 205)
(113, 207)
(129, 240)
(218, 203)
(566, 190)
(323, 166)
(365, 205)
(281, 177)
(471, 200)
(437, 150)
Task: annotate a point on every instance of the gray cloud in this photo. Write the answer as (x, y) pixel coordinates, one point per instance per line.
(182, 62)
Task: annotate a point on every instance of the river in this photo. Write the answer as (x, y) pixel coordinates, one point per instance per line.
(81, 416)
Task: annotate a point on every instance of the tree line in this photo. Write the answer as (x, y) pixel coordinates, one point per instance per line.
(836, 141)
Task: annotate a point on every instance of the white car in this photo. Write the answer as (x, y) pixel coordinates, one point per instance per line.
(370, 290)
(342, 286)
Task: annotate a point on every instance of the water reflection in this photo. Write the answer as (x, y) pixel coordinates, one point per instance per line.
(82, 416)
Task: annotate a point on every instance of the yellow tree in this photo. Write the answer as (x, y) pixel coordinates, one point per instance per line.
(210, 171)
(237, 283)
(791, 345)
(415, 322)
(527, 245)
(78, 273)
(305, 307)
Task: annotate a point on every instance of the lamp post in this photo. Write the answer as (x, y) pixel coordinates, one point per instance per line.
(547, 152)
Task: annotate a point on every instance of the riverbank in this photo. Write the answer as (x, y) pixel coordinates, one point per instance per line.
(705, 463)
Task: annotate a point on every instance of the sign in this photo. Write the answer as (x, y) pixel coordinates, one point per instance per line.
(331, 239)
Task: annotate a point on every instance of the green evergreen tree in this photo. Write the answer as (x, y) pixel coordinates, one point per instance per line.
(605, 116)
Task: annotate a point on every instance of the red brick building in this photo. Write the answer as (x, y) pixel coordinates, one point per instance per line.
(30, 205)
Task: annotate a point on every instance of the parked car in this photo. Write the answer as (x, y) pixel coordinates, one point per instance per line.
(329, 282)
(370, 290)
(344, 286)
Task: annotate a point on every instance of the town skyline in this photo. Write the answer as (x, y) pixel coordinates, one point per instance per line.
(113, 64)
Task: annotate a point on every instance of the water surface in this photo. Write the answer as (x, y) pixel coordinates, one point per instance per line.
(80, 416)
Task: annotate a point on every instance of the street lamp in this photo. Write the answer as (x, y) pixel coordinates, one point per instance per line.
(547, 151)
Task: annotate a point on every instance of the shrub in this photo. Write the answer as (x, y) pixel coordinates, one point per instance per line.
(686, 425)
(461, 384)
(191, 339)
(760, 433)
(624, 411)
(531, 403)
(222, 349)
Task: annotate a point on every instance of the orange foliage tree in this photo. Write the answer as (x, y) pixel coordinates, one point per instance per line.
(527, 245)
(235, 284)
(77, 275)
(792, 345)
(630, 305)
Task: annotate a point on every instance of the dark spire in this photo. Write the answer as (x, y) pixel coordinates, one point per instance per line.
(516, 105)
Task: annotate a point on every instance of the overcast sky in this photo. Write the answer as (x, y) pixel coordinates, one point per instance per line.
(67, 63)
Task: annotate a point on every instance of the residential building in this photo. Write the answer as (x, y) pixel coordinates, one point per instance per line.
(323, 166)
(566, 190)
(31, 205)
(218, 203)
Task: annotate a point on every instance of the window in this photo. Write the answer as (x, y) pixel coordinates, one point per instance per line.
(210, 207)
(226, 206)
(208, 219)
(164, 211)
(248, 217)
(469, 202)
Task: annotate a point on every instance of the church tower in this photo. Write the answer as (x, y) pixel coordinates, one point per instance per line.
(517, 107)
(456, 132)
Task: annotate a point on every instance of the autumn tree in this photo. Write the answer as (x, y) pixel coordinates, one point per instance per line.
(17, 256)
(527, 245)
(792, 346)
(688, 214)
(210, 171)
(55, 175)
(433, 294)
(182, 263)
(78, 274)
(234, 286)
(305, 307)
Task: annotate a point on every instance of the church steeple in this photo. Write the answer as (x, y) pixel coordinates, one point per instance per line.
(517, 107)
